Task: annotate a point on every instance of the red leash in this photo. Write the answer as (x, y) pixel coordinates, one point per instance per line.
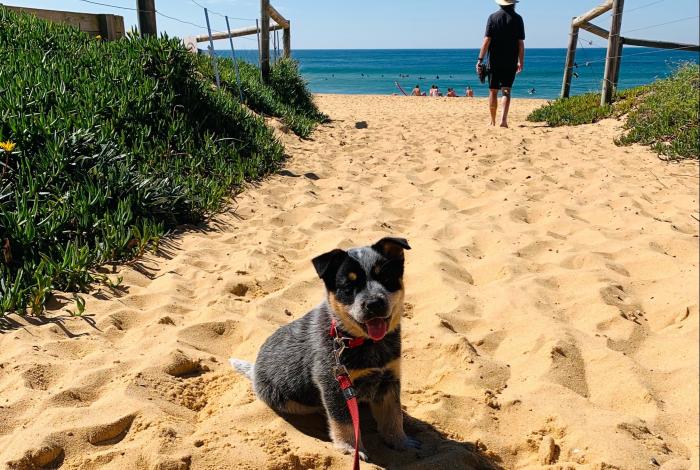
(351, 400)
(343, 377)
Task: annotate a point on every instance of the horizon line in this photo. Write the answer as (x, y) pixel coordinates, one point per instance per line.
(439, 49)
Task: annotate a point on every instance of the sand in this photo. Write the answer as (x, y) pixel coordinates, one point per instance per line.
(551, 307)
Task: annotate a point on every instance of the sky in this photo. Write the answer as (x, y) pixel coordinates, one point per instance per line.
(409, 24)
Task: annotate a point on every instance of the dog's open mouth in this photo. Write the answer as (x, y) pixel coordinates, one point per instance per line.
(376, 328)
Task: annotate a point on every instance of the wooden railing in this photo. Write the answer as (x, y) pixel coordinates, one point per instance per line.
(109, 27)
(616, 42)
(262, 30)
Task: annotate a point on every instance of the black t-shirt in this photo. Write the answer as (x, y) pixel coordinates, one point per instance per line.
(505, 28)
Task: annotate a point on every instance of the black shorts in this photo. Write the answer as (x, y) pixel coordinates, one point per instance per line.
(501, 78)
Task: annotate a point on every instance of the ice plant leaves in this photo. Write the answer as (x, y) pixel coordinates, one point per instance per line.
(109, 145)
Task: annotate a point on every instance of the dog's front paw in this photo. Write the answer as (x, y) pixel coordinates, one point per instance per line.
(348, 449)
(403, 442)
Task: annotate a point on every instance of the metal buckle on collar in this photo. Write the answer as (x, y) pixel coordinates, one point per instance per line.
(338, 347)
(339, 344)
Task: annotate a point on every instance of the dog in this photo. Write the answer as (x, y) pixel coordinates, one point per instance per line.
(295, 371)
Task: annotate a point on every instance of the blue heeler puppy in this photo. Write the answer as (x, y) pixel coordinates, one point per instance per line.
(294, 370)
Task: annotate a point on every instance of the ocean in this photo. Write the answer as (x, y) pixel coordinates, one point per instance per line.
(376, 71)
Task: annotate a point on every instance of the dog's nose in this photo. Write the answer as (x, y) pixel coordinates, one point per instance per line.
(376, 306)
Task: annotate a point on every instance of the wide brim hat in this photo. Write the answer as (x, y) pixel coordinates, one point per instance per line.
(505, 3)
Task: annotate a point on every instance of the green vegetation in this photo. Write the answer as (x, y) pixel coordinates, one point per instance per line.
(106, 146)
(667, 117)
(285, 97)
(663, 115)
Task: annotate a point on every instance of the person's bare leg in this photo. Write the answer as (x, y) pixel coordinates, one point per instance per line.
(493, 105)
(506, 106)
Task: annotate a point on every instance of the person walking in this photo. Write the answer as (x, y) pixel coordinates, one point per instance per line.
(505, 43)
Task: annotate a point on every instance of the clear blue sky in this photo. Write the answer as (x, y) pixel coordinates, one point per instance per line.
(367, 24)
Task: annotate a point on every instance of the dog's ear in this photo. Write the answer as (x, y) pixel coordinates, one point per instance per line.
(327, 266)
(391, 247)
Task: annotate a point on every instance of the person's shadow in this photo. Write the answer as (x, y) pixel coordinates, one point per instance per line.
(436, 452)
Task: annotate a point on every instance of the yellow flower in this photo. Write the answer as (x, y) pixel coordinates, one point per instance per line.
(7, 146)
(98, 37)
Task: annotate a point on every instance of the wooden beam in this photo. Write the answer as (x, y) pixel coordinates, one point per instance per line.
(265, 39)
(235, 33)
(597, 30)
(613, 49)
(594, 13)
(147, 17)
(87, 22)
(660, 44)
(570, 60)
(287, 41)
(275, 15)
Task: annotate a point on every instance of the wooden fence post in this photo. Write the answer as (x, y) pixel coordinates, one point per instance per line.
(618, 62)
(147, 17)
(570, 60)
(108, 28)
(613, 47)
(265, 39)
(287, 41)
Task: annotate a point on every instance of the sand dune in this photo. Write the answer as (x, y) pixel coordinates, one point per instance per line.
(551, 309)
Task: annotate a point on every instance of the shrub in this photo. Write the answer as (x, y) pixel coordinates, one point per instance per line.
(663, 115)
(667, 117)
(285, 97)
(291, 88)
(115, 143)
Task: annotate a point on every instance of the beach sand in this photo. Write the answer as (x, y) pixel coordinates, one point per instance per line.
(551, 307)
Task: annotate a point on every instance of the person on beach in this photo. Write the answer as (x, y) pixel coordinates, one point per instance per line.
(434, 91)
(416, 91)
(505, 43)
(451, 93)
(469, 93)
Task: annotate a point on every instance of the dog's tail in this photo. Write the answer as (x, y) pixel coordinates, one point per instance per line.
(244, 367)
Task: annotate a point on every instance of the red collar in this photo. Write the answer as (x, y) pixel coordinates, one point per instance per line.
(352, 343)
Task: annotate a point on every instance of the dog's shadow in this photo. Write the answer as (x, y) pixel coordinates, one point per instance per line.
(436, 451)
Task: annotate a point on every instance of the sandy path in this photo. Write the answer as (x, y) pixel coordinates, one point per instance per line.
(552, 307)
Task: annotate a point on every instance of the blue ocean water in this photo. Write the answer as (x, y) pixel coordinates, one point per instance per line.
(376, 71)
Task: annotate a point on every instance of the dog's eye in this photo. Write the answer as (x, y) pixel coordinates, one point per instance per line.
(352, 276)
(389, 274)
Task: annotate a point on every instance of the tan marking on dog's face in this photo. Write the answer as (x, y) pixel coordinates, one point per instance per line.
(396, 303)
(349, 323)
(352, 276)
(393, 366)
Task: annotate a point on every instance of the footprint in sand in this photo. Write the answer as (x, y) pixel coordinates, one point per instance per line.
(567, 367)
(214, 337)
(47, 456)
(42, 376)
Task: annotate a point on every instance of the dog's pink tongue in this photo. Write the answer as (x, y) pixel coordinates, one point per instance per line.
(376, 328)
